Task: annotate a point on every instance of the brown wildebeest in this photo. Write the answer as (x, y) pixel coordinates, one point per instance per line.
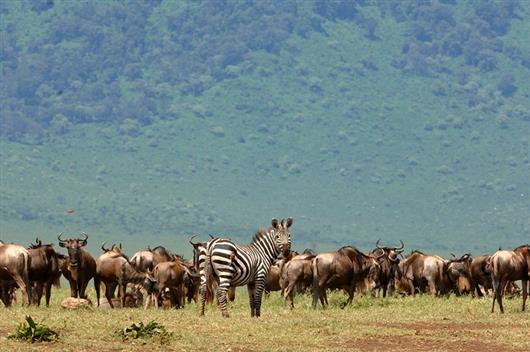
(44, 270)
(507, 266)
(479, 275)
(273, 279)
(458, 275)
(297, 273)
(113, 269)
(388, 266)
(147, 259)
(341, 269)
(80, 265)
(171, 278)
(419, 270)
(15, 262)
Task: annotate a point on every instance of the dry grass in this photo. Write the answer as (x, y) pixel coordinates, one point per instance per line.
(370, 324)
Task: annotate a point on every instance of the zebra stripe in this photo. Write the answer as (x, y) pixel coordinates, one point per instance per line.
(236, 265)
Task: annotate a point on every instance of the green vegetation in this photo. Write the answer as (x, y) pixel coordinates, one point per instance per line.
(157, 119)
(33, 332)
(145, 331)
(373, 324)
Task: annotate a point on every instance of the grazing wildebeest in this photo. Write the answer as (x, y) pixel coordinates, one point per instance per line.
(236, 265)
(15, 262)
(458, 275)
(388, 266)
(147, 259)
(80, 265)
(342, 269)
(171, 278)
(44, 270)
(297, 273)
(506, 266)
(113, 269)
(479, 275)
(419, 270)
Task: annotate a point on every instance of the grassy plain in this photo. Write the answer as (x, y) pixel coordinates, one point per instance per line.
(369, 324)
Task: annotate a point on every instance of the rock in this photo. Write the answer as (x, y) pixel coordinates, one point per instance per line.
(73, 303)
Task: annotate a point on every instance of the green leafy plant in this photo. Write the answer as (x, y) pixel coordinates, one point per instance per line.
(33, 332)
(145, 331)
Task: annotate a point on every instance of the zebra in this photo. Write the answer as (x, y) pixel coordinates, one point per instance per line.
(237, 265)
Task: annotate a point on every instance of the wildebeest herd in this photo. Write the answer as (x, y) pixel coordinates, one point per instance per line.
(158, 277)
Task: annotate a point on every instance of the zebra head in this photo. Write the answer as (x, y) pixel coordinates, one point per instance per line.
(282, 236)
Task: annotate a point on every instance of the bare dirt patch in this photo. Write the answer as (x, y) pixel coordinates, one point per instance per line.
(410, 343)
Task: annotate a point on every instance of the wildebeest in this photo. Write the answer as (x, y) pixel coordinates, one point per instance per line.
(44, 270)
(8, 292)
(15, 262)
(297, 273)
(113, 269)
(479, 275)
(341, 269)
(388, 266)
(419, 270)
(171, 278)
(79, 267)
(507, 266)
(147, 259)
(458, 275)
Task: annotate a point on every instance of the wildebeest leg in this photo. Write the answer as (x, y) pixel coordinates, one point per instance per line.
(432, 287)
(47, 292)
(26, 289)
(109, 293)
(38, 293)
(289, 293)
(525, 292)
(4, 289)
(497, 294)
(411, 287)
(232, 294)
(97, 287)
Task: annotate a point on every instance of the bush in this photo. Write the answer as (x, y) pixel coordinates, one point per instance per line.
(33, 332)
(147, 331)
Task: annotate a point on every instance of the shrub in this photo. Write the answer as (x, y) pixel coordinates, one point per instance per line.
(147, 331)
(33, 332)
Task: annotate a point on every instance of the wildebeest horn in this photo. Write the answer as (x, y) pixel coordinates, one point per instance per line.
(60, 239)
(402, 245)
(454, 256)
(103, 247)
(190, 238)
(377, 244)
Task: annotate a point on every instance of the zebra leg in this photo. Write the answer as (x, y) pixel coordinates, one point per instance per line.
(252, 298)
(203, 293)
(260, 287)
(221, 297)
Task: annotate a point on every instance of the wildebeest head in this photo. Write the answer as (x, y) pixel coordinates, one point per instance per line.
(74, 247)
(391, 252)
(282, 235)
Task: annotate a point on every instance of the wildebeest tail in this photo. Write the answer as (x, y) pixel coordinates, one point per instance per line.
(316, 287)
(27, 265)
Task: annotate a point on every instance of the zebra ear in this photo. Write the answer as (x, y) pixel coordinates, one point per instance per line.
(274, 223)
(289, 222)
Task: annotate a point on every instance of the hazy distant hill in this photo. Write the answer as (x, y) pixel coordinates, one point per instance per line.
(362, 120)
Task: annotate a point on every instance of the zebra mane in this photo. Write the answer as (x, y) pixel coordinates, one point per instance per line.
(261, 233)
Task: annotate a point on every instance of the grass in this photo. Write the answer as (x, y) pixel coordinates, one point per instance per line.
(369, 324)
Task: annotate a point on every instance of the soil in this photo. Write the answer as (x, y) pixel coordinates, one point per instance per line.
(454, 337)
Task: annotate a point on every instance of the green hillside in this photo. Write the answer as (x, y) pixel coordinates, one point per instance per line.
(154, 120)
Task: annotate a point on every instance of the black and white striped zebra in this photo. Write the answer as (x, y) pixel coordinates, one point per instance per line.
(237, 265)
